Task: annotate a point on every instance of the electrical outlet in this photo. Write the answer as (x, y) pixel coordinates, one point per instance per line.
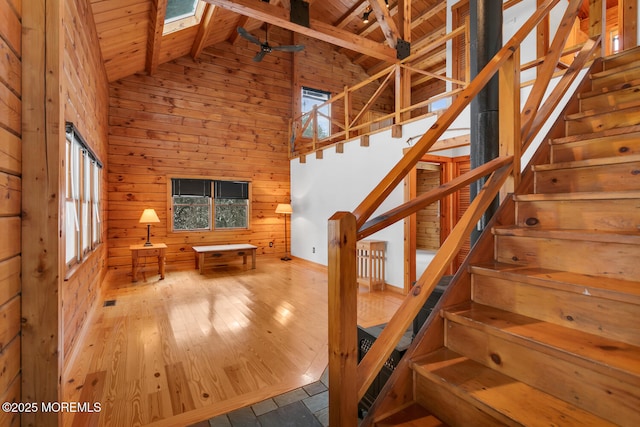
(270, 244)
(313, 250)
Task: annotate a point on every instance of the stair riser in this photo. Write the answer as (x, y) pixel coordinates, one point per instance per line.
(622, 59)
(614, 260)
(615, 177)
(605, 215)
(623, 76)
(600, 394)
(601, 122)
(614, 146)
(598, 316)
(449, 406)
(609, 101)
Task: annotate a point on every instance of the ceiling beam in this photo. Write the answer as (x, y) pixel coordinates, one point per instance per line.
(387, 25)
(319, 30)
(154, 40)
(207, 22)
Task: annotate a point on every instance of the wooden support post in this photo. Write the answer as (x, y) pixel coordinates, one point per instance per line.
(542, 37)
(42, 184)
(628, 23)
(597, 14)
(343, 307)
(509, 119)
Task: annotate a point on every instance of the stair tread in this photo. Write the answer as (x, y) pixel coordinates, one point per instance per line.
(610, 90)
(413, 415)
(596, 286)
(587, 163)
(595, 352)
(604, 236)
(599, 195)
(595, 135)
(605, 73)
(629, 105)
(606, 89)
(502, 396)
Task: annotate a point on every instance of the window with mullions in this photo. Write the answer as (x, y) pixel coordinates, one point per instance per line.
(313, 98)
(82, 198)
(206, 204)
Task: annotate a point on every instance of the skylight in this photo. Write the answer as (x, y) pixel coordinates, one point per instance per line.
(182, 14)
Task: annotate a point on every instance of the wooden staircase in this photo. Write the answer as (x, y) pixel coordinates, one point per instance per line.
(551, 333)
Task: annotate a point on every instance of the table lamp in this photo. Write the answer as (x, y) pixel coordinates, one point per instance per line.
(149, 217)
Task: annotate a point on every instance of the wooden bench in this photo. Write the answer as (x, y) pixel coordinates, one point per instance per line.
(207, 256)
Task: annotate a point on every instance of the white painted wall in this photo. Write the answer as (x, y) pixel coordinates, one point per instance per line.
(339, 182)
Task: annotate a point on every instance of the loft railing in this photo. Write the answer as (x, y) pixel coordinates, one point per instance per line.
(306, 133)
(348, 380)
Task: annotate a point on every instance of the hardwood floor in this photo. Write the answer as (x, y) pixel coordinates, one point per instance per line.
(176, 351)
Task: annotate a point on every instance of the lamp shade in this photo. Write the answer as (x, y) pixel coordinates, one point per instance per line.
(149, 216)
(284, 208)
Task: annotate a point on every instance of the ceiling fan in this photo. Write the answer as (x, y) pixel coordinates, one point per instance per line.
(265, 47)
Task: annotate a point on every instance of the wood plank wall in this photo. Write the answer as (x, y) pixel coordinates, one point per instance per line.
(222, 116)
(87, 106)
(10, 205)
(321, 66)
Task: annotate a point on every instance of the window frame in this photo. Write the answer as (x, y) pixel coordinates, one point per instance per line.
(212, 205)
(328, 95)
(181, 22)
(82, 189)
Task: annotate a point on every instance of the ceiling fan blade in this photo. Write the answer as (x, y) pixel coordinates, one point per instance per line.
(259, 56)
(291, 48)
(248, 36)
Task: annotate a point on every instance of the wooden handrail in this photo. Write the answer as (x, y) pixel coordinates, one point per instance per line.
(424, 200)
(410, 159)
(545, 72)
(559, 90)
(519, 129)
(396, 327)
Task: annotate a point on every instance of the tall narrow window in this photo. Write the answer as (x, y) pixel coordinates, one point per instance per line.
(82, 198)
(315, 98)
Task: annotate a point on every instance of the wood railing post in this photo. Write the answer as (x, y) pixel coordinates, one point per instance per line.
(398, 94)
(314, 123)
(343, 308)
(347, 112)
(510, 143)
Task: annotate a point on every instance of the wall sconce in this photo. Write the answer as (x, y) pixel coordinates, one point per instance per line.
(365, 16)
(149, 217)
(386, 2)
(285, 208)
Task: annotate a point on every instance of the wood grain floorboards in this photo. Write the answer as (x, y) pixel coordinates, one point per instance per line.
(177, 351)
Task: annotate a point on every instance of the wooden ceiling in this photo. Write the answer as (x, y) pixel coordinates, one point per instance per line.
(132, 40)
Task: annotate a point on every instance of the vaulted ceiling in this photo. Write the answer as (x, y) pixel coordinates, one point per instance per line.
(132, 40)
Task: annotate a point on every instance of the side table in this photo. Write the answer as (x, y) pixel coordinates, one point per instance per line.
(140, 251)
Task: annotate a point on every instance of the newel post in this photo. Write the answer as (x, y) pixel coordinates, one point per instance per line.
(343, 293)
(509, 118)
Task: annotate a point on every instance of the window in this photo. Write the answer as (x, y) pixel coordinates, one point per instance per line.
(312, 98)
(182, 14)
(82, 198)
(206, 204)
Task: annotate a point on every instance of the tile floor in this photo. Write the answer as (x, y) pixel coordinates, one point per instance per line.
(303, 407)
